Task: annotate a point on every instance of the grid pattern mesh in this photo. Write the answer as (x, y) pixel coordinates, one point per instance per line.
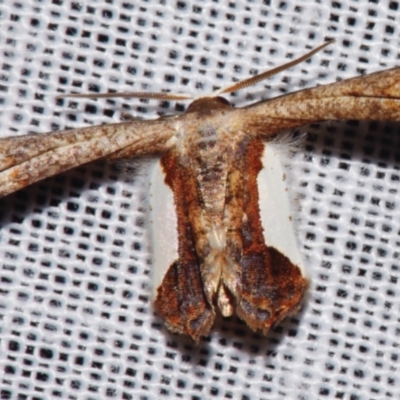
(76, 320)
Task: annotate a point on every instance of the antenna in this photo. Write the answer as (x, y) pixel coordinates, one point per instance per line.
(176, 97)
(267, 74)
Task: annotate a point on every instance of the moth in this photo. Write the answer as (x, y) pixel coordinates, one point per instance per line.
(231, 246)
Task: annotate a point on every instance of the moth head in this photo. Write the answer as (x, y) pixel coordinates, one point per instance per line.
(207, 105)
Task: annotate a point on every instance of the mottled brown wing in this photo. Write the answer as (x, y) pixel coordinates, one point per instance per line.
(272, 287)
(28, 159)
(180, 299)
(371, 97)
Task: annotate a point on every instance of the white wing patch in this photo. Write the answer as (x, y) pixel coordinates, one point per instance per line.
(275, 210)
(163, 224)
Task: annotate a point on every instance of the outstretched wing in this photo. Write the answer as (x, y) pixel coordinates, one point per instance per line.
(28, 159)
(371, 97)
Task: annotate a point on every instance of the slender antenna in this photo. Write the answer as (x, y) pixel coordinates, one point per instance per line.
(127, 95)
(176, 97)
(264, 75)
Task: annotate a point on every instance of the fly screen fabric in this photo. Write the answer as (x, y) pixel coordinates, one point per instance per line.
(76, 318)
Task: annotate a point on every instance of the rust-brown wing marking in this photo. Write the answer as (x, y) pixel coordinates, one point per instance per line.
(180, 299)
(272, 286)
(31, 158)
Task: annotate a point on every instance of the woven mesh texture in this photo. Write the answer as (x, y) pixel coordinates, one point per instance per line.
(76, 320)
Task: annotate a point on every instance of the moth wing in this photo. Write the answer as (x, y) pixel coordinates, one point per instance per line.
(164, 226)
(178, 287)
(371, 97)
(275, 206)
(31, 158)
(272, 278)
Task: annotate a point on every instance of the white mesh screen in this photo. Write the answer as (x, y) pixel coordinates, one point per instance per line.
(76, 320)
